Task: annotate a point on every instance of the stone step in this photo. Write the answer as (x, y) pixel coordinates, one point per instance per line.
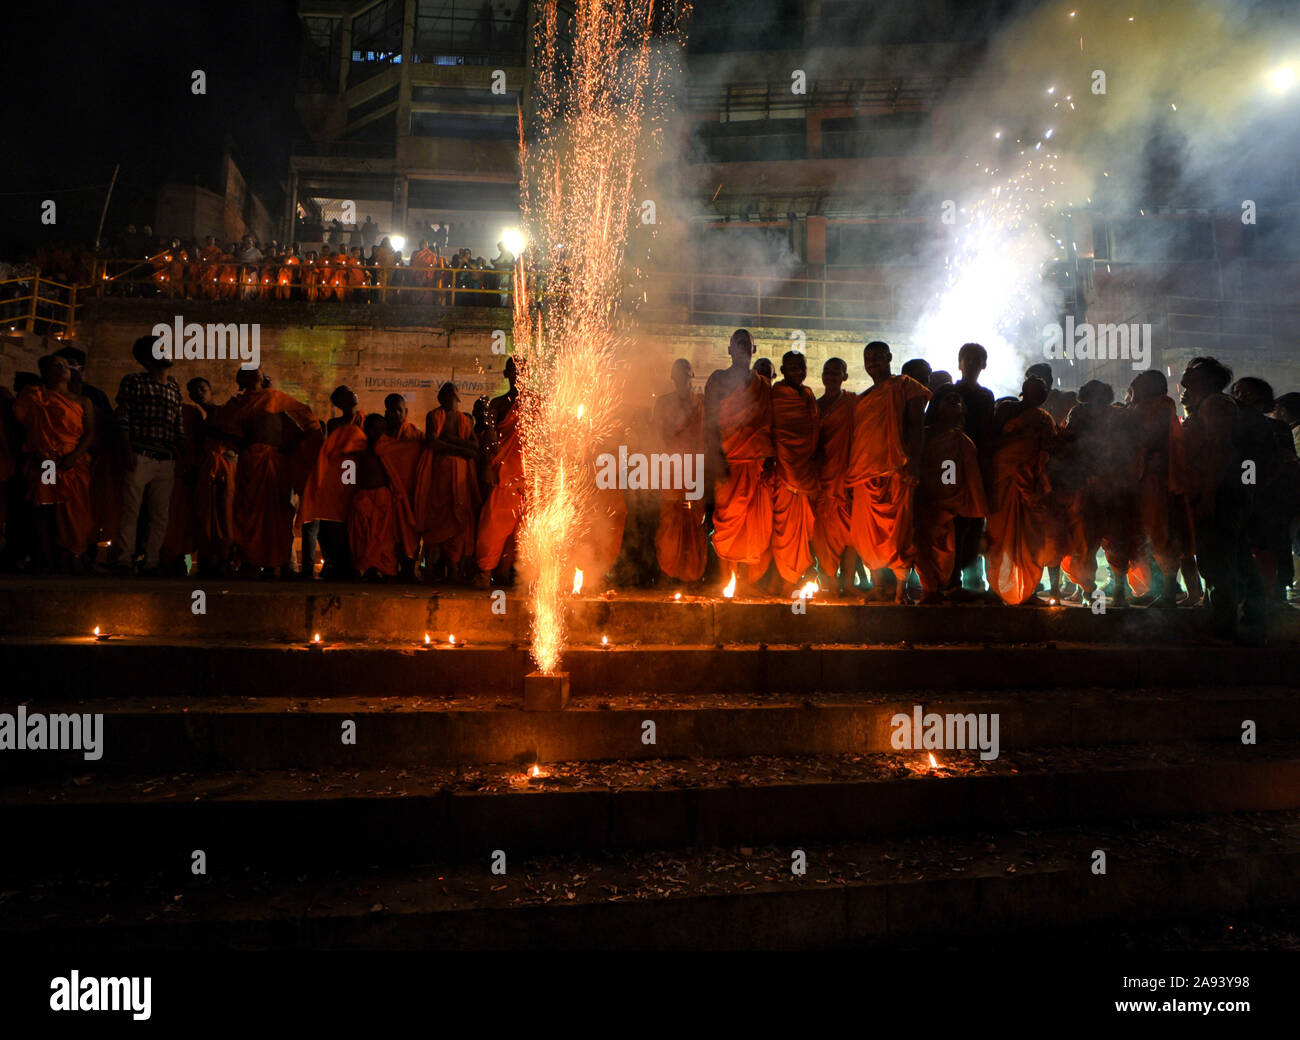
(202, 733)
(402, 614)
(981, 889)
(300, 819)
(131, 666)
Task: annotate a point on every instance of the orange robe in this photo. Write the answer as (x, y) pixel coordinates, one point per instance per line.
(53, 424)
(182, 535)
(380, 523)
(681, 544)
(265, 477)
(951, 486)
(742, 512)
(796, 424)
(1018, 524)
(284, 277)
(880, 521)
(311, 273)
(447, 494)
(326, 495)
(504, 506)
(214, 499)
(831, 507)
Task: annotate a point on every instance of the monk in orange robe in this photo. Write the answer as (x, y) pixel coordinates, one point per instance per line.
(951, 486)
(214, 486)
(796, 425)
(1161, 508)
(740, 453)
(835, 555)
(504, 475)
(357, 280)
(279, 440)
(311, 270)
(332, 483)
(381, 528)
(681, 544)
(1083, 474)
(402, 448)
(1019, 523)
(884, 469)
(423, 262)
(447, 493)
(58, 427)
(339, 277)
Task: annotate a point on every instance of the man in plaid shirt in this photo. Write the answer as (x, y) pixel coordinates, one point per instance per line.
(149, 420)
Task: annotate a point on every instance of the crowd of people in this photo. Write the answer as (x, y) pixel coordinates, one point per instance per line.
(917, 488)
(357, 273)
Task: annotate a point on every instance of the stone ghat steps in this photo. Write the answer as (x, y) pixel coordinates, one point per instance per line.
(886, 892)
(290, 612)
(200, 733)
(81, 667)
(301, 819)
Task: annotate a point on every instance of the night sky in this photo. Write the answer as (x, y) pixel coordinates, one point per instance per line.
(92, 84)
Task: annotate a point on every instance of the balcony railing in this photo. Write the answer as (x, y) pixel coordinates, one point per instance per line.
(39, 304)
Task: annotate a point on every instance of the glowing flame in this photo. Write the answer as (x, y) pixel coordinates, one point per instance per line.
(427, 640)
(808, 591)
(933, 763)
(596, 92)
(536, 771)
(451, 640)
(577, 581)
(604, 640)
(678, 597)
(730, 590)
(316, 638)
(96, 630)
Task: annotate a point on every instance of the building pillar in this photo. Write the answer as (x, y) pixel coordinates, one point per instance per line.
(401, 183)
(816, 241)
(290, 229)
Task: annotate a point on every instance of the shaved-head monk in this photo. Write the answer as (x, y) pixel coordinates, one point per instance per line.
(504, 475)
(332, 483)
(884, 469)
(738, 432)
(57, 431)
(918, 369)
(447, 493)
(374, 520)
(1018, 527)
(764, 367)
(681, 543)
(972, 360)
(831, 543)
(796, 425)
(951, 486)
(1084, 473)
(279, 439)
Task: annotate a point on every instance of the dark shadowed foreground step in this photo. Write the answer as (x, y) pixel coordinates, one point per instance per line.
(293, 611)
(298, 820)
(192, 734)
(883, 892)
(134, 667)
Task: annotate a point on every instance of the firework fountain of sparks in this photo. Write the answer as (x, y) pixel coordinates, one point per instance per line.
(592, 109)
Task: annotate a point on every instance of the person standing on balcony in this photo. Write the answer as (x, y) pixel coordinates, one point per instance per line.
(369, 232)
(384, 259)
(150, 422)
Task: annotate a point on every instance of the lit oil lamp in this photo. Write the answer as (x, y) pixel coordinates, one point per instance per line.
(677, 597)
(315, 643)
(730, 590)
(101, 636)
(604, 642)
(933, 762)
(428, 640)
(577, 581)
(808, 590)
(535, 772)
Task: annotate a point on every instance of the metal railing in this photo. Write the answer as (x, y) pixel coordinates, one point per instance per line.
(171, 277)
(37, 303)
